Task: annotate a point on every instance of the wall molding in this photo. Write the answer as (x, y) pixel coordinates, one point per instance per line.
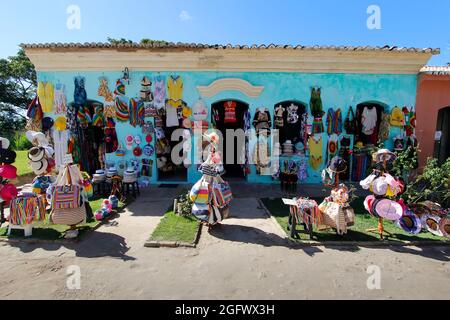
(229, 60)
(232, 84)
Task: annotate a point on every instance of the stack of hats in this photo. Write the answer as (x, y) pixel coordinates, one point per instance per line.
(6, 155)
(7, 171)
(111, 172)
(99, 176)
(428, 216)
(41, 155)
(288, 148)
(130, 175)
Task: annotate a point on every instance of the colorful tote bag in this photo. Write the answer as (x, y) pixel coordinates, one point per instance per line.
(222, 194)
(199, 193)
(66, 197)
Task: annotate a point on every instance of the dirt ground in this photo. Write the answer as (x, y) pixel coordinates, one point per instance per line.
(248, 257)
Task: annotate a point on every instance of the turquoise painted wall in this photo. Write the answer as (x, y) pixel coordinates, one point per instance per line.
(338, 90)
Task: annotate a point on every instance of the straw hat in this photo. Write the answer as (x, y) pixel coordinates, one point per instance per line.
(384, 155)
(39, 167)
(410, 223)
(431, 223)
(388, 209)
(368, 202)
(36, 154)
(380, 186)
(444, 226)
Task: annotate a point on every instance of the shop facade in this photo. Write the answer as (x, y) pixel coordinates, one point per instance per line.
(282, 82)
(433, 110)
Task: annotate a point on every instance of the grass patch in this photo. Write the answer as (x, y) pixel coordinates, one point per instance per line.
(363, 221)
(176, 228)
(22, 163)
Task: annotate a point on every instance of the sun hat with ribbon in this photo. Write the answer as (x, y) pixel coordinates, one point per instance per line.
(212, 137)
(380, 186)
(36, 154)
(8, 171)
(61, 123)
(431, 223)
(39, 167)
(368, 202)
(388, 209)
(410, 223)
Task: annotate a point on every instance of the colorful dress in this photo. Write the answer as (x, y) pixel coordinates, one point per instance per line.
(60, 102)
(175, 91)
(159, 93)
(315, 152)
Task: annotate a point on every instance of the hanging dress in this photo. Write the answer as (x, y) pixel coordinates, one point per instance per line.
(315, 152)
(46, 93)
(60, 101)
(175, 91)
(122, 111)
(80, 95)
(159, 93)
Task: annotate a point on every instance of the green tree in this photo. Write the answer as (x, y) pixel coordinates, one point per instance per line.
(17, 87)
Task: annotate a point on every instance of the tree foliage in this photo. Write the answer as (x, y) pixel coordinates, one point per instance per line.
(17, 86)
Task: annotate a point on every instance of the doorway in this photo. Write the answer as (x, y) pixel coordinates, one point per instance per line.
(230, 114)
(442, 146)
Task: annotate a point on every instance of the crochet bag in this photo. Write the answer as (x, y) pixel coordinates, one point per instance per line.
(66, 197)
(199, 193)
(222, 194)
(350, 122)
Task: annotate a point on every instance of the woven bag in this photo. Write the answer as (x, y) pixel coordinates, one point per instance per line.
(69, 217)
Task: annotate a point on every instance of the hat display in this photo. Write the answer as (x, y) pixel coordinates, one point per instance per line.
(39, 167)
(47, 123)
(37, 137)
(380, 186)
(410, 223)
(36, 154)
(4, 143)
(431, 223)
(8, 192)
(368, 202)
(8, 171)
(7, 156)
(212, 137)
(337, 164)
(384, 155)
(444, 226)
(387, 209)
(61, 123)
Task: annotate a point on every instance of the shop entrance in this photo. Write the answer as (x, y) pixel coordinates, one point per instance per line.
(229, 114)
(442, 146)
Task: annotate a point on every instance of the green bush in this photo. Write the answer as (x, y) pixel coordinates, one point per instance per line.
(20, 142)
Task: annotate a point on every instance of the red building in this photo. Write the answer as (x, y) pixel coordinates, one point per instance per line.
(433, 113)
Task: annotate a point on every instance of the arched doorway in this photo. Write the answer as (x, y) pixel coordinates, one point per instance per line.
(442, 145)
(229, 114)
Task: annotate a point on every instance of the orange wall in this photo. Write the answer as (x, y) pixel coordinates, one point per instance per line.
(433, 94)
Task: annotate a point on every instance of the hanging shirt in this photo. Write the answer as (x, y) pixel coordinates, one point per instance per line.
(369, 120)
(171, 116)
(46, 94)
(159, 99)
(60, 140)
(230, 112)
(199, 111)
(175, 91)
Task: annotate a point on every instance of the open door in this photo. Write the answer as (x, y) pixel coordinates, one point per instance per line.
(442, 146)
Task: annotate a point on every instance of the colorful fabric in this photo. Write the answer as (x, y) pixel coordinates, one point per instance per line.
(315, 152)
(315, 103)
(27, 209)
(317, 126)
(66, 197)
(199, 193)
(159, 99)
(334, 121)
(175, 91)
(98, 119)
(136, 112)
(230, 112)
(46, 94)
(60, 101)
(80, 95)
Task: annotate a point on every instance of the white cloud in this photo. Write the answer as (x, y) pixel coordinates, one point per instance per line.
(185, 16)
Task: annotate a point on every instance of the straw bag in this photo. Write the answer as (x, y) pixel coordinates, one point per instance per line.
(334, 217)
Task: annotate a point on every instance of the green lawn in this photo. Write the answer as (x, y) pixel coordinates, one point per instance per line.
(176, 228)
(48, 231)
(363, 221)
(22, 163)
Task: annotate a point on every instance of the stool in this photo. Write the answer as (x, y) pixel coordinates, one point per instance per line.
(27, 229)
(100, 188)
(134, 188)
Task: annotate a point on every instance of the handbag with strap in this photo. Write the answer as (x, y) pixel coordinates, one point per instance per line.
(350, 122)
(222, 194)
(199, 193)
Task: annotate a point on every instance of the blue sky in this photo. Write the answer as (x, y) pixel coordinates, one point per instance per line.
(421, 23)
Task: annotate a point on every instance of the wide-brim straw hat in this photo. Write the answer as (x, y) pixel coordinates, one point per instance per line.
(431, 223)
(388, 209)
(36, 154)
(384, 155)
(39, 167)
(444, 226)
(410, 223)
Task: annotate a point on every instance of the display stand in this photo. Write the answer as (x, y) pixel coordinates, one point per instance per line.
(27, 229)
(380, 229)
